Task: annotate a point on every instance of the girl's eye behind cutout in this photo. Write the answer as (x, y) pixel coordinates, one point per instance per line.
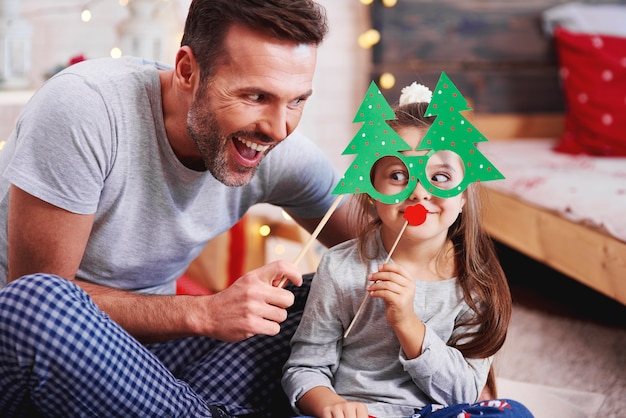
(444, 170)
(389, 175)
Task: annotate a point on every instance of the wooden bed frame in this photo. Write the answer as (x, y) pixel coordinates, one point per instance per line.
(592, 257)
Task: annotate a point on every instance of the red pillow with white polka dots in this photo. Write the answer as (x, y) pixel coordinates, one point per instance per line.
(592, 69)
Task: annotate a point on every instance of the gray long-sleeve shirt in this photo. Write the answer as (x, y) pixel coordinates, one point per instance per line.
(369, 366)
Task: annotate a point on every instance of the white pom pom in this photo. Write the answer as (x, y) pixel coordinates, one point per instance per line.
(415, 93)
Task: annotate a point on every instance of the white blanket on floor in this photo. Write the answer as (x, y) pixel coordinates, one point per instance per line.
(550, 402)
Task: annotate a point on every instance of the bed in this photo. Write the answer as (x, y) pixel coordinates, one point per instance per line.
(566, 211)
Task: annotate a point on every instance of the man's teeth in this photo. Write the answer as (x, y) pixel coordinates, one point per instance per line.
(253, 145)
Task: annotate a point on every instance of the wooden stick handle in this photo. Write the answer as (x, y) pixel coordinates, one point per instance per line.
(358, 312)
(356, 315)
(314, 235)
(395, 244)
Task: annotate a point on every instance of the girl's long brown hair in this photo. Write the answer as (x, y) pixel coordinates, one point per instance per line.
(478, 271)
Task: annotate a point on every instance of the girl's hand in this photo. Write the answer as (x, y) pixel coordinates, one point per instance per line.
(323, 402)
(397, 289)
(393, 284)
(345, 410)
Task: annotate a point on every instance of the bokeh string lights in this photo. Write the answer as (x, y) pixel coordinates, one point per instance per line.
(371, 37)
(141, 18)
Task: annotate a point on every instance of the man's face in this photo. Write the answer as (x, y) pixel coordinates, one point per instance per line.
(251, 103)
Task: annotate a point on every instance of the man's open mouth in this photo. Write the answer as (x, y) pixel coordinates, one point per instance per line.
(248, 149)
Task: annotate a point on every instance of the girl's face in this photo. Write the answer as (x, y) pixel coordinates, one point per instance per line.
(445, 170)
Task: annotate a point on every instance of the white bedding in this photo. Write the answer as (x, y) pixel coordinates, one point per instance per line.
(589, 190)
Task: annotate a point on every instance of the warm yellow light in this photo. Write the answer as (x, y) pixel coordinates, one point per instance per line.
(367, 2)
(123, 2)
(2, 144)
(387, 80)
(116, 52)
(264, 230)
(389, 3)
(369, 38)
(85, 15)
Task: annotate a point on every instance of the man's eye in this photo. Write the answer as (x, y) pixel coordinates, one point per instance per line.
(298, 102)
(256, 97)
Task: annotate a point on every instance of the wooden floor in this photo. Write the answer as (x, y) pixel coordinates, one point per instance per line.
(537, 286)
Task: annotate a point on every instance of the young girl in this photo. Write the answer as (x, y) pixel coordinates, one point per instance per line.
(438, 311)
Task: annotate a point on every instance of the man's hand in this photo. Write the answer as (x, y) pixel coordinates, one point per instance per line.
(251, 305)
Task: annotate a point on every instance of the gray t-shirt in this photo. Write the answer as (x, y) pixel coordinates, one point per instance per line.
(93, 140)
(369, 366)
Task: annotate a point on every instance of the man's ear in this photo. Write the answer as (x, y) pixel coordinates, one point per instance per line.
(187, 71)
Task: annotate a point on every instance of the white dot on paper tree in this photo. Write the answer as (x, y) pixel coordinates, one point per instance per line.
(607, 75)
(382, 143)
(607, 119)
(361, 178)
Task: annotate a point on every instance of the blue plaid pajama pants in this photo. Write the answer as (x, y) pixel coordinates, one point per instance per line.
(60, 356)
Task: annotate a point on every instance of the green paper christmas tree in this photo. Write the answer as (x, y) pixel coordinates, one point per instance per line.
(452, 131)
(374, 140)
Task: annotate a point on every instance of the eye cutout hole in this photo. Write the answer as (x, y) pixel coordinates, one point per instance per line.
(444, 170)
(390, 176)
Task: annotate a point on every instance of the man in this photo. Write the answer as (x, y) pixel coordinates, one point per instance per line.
(116, 176)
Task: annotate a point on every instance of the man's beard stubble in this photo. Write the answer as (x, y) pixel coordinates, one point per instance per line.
(212, 144)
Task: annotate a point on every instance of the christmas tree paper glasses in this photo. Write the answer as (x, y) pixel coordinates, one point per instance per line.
(376, 139)
(450, 131)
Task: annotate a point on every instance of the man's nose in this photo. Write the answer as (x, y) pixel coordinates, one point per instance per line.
(275, 123)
